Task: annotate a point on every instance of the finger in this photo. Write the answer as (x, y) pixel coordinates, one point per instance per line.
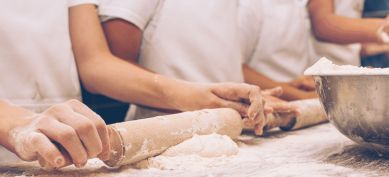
(67, 137)
(85, 130)
(259, 129)
(240, 107)
(46, 149)
(256, 109)
(231, 91)
(248, 123)
(237, 92)
(277, 92)
(98, 122)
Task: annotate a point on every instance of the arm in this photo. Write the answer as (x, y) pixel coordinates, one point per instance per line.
(328, 26)
(124, 39)
(103, 73)
(371, 49)
(289, 92)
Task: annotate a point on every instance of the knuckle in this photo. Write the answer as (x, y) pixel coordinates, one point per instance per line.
(73, 102)
(35, 139)
(85, 127)
(255, 88)
(44, 118)
(42, 121)
(100, 124)
(67, 136)
(55, 109)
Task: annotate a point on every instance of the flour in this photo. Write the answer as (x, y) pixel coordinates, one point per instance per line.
(193, 151)
(327, 68)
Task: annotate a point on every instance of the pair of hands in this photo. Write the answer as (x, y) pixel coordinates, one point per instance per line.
(250, 101)
(72, 126)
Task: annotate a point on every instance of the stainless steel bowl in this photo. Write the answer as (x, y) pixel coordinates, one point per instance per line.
(358, 106)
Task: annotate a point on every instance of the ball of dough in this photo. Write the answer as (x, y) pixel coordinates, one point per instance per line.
(213, 145)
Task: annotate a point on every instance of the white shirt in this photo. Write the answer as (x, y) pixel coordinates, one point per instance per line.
(282, 50)
(37, 66)
(341, 54)
(194, 40)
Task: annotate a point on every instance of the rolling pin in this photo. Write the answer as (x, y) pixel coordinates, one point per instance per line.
(137, 140)
(311, 113)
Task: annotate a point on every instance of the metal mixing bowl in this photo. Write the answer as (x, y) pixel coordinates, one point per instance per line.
(358, 106)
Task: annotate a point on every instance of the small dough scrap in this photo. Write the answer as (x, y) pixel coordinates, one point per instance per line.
(213, 145)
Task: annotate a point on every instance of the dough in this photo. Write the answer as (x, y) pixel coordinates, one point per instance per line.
(199, 152)
(212, 145)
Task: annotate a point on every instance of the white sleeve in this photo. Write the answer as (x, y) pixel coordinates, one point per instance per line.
(72, 3)
(138, 12)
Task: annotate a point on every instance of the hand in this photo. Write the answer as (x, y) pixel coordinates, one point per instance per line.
(305, 83)
(278, 107)
(383, 32)
(246, 99)
(72, 125)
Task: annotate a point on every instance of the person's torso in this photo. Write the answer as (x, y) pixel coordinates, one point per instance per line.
(340, 54)
(194, 40)
(37, 64)
(282, 49)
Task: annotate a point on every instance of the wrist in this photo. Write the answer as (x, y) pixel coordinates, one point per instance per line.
(12, 117)
(170, 91)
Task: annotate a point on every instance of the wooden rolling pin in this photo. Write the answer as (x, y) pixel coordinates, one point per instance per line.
(311, 111)
(134, 141)
(137, 140)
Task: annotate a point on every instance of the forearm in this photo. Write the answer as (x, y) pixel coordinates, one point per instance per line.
(328, 26)
(127, 82)
(343, 30)
(371, 49)
(101, 72)
(11, 116)
(253, 77)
